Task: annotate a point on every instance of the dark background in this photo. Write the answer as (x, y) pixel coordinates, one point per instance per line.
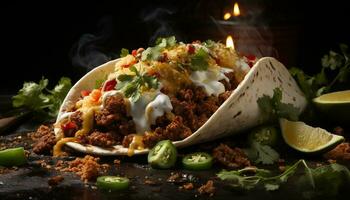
(55, 38)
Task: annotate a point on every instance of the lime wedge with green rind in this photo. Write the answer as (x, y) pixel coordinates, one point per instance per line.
(334, 106)
(308, 139)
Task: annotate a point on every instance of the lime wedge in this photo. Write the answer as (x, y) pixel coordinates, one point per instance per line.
(308, 139)
(334, 106)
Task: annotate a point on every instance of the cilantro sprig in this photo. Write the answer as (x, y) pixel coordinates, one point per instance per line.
(153, 53)
(260, 153)
(317, 179)
(199, 60)
(124, 52)
(335, 70)
(132, 85)
(272, 107)
(39, 99)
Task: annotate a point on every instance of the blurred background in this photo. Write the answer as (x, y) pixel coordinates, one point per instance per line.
(55, 38)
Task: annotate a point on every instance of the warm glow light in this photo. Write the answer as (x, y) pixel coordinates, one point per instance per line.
(227, 16)
(229, 42)
(236, 11)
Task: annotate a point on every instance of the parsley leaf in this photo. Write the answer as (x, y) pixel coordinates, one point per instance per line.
(199, 60)
(273, 108)
(131, 85)
(262, 153)
(124, 52)
(37, 98)
(335, 69)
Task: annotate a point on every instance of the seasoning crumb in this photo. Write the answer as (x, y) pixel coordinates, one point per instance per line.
(340, 152)
(231, 157)
(150, 182)
(173, 177)
(116, 163)
(187, 186)
(207, 188)
(55, 180)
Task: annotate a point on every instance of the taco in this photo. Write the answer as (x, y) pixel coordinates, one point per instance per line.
(187, 93)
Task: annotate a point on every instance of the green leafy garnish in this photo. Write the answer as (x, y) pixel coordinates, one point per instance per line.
(262, 153)
(124, 52)
(319, 179)
(166, 42)
(131, 85)
(199, 60)
(335, 70)
(99, 82)
(37, 98)
(153, 53)
(273, 108)
(209, 43)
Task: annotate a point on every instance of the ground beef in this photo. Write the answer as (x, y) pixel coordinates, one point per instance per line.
(76, 118)
(341, 152)
(88, 168)
(176, 130)
(207, 188)
(55, 180)
(127, 140)
(224, 96)
(101, 139)
(230, 158)
(45, 144)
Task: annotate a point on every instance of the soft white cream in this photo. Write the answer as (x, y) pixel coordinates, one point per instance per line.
(158, 107)
(209, 80)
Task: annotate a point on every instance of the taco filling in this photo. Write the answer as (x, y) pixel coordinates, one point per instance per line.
(163, 92)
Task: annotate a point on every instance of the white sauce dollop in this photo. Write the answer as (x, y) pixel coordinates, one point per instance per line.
(145, 111)
(209, 80)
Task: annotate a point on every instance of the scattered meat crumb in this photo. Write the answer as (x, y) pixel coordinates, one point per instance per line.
(150, 182)
(231, 158)
(88, 168)
(187, 186)
(116, 163)
(55, 180)
(338, 130)
(207, 188)
(173, 177)
(340, 152)
(44, 139)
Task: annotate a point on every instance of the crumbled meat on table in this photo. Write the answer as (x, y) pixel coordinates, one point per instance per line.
(88, 168)
(230, 157)
(207, 188)
(340, 152)
(44, 139)
(173, 177)
(187, 186)
(55, 180)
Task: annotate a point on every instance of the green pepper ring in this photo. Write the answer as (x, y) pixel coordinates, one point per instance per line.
(112, 183)
(197, 161)
(156, 156)
(12, 157)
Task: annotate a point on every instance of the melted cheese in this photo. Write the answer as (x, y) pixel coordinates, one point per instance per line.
(88, 120)
(209, 80)
(57, 149)
(136, 144)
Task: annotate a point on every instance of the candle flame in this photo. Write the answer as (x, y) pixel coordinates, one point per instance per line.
(229, 42)
(236, 11)
(227, 16)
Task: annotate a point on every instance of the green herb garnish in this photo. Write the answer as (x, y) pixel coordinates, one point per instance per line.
(153, 53)
(335, 70)
(131, 85)
(124, 52)
(262, 153)
(199, 60)
(166, 42)
(273, 108)
(318, 179)
(37, 98)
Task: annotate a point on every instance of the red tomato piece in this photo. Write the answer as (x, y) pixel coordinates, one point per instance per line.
(110, 85)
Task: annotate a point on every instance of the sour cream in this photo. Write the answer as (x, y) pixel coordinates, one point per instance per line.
(209, 80)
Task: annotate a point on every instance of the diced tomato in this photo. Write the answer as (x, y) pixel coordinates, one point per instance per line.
(110, 85)
(95, 94)
(251, 57)
(85, 93)
(134, 52)
(69, 126)
(191, 49)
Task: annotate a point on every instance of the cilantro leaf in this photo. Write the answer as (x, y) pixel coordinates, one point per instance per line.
(37, 98)
(124, 52)
(262, 153)
(151, 53)
(199, 60)
(131, 85)
(272, 107)
(166, 42)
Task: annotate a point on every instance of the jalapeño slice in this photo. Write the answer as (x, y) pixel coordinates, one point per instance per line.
(163, 155)
(12, 157)
(197, 161)
(112, 183)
